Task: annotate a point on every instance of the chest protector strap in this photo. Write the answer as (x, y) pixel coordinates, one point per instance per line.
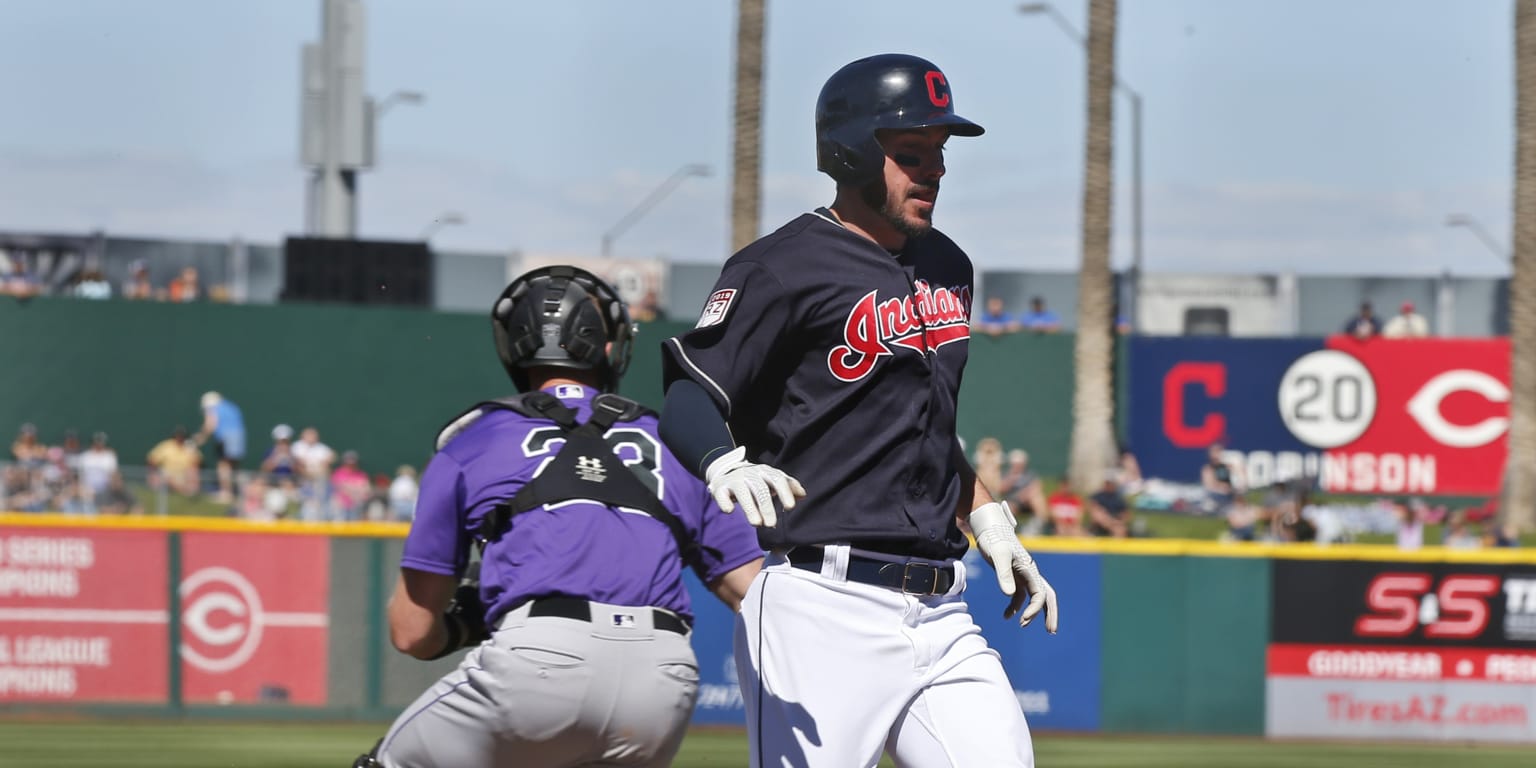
(585, 468)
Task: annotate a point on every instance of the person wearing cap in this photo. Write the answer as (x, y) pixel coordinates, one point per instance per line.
(1407, 324)
(225, 424)
(138, 285)
(27, 450)
(97, 465)
(174, 463)
(279, 463)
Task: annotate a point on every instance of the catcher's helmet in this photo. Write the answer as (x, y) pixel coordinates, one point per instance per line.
(562, 317)
(892, 90)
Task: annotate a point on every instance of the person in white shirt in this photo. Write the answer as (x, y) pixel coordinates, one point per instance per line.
(97, 464)
(314, 462)
(1407, 324)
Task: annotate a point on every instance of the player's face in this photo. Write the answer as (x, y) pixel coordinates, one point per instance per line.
(914, 163)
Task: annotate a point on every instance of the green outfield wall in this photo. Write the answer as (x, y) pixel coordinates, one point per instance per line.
(379, 380)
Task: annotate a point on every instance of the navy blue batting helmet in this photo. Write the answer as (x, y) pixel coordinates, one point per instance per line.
(892, 90)
(562, 317)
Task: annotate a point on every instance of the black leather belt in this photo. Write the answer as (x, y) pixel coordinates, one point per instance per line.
(913, 578)
(580, 610)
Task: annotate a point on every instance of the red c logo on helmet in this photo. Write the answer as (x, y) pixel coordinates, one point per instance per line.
(938, 88)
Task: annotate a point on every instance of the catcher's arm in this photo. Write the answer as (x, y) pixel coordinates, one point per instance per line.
(432, 615)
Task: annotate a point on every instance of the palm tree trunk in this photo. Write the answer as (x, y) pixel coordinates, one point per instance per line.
(1519, 503)
(746, 159)
(1093, 404)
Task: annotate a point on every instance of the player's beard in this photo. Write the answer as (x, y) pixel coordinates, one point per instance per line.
(878, 197)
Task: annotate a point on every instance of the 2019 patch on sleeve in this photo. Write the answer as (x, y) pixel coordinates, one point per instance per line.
(715, 309)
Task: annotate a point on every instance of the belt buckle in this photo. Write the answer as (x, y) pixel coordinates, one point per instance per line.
(928, 575)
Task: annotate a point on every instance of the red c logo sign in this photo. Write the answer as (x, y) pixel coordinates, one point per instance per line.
(938, 88)
(1212, 377)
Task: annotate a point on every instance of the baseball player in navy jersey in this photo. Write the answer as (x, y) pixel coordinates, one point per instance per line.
(580, 624)
(818, 395)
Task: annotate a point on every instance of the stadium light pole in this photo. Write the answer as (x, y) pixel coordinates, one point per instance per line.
(1471, 223)
(1035, 9)
(398, 97)
(650, 201)
(448, 218)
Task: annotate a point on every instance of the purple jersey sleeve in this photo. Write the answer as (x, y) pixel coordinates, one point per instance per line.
(726, 542)
(436, 543)
(746, 315)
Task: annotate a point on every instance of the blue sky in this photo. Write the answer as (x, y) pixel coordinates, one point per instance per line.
(1310, 135)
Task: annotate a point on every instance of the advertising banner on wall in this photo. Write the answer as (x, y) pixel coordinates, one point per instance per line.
(83, 616)
(255, 618)
(1411, 651)
(1379, 416)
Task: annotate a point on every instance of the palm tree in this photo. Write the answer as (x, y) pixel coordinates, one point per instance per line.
(1519, 502)
(1093, 403)
(746, 160)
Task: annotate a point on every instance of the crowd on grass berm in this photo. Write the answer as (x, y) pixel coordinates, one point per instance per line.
(294, 476)
(1280, 512)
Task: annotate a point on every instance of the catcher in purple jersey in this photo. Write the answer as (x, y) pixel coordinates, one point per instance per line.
(580, 621)
(818, 394)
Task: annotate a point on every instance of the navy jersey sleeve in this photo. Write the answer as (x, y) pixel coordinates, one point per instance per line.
(746, 315)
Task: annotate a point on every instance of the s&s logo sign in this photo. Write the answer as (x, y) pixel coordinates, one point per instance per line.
(1456, 608)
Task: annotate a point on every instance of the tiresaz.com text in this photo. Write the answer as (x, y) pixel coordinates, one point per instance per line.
(1432, 709)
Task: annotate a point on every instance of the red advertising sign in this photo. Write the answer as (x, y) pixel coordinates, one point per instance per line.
(83, 615)
(255, 618)
(1420, 416)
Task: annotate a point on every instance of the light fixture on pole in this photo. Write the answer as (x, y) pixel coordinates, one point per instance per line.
(650, 201)
(448, 218)
(1470, 222)
(1033, 9)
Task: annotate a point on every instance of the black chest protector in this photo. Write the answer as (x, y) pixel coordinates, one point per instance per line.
(586, 467)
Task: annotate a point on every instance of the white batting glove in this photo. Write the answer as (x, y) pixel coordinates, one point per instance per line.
(733, 480)
(993, 526)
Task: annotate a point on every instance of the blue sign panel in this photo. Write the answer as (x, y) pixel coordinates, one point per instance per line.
(1055, 676)
(1187, 393)
(719, 695)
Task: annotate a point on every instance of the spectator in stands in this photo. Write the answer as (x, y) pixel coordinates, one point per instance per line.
(138, 285)
(402, 494)
(314, 464)
(92, 284)
(1406, 324)
(648, 308)
(252, 504)
(173, 464)
(27, 450)
(118, 500)
(1023, 490)
(1497, 535)
(1108, 512)
(1459, 533)
(1131, 481)
(996, 320)
(224, 422)
(185, 287)
(988, 461)
(375, 508)
(19, 492)
(75, 499)
(97, 466)
(72, 450)
(16, 280)
(1410, 525)
(1066, 511)
(349, 488)
(280, 463)
(1039, 319)
(1219, 480)
(1364, 324)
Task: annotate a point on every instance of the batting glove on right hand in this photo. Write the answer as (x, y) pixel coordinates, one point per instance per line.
(994, 527)
(733, 480)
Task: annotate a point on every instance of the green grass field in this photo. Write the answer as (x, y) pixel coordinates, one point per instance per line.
(116, 744)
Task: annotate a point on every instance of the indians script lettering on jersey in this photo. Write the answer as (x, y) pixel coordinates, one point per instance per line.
(874, 325)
